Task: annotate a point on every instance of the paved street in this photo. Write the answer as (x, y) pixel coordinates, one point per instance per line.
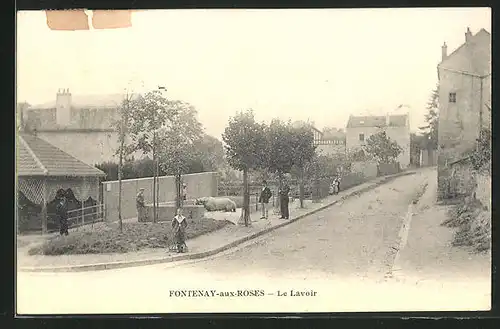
(342, 253)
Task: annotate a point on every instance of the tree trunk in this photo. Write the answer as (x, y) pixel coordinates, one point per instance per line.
(120, 166)
(154, 181)
(157, 174)
(278, 198)
(178, 196)
(245, 215)
(301, 187)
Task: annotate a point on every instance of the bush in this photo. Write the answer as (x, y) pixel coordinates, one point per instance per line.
(462, 213)
(135, 236)
(473, 223)
(352, 179)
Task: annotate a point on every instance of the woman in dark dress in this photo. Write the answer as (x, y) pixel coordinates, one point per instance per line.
(62, 214)
(179, 225)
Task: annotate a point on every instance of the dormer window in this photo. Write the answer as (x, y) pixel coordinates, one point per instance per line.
(452, 97)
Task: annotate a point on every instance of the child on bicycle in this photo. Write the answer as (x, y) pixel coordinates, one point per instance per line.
(179, 224)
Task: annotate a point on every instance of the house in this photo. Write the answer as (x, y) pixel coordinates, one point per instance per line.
(80, 125)
(464, 101)
(329, 147)
(43, 170)
(397, 128)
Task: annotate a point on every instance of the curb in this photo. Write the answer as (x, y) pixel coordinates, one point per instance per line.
(204, 254)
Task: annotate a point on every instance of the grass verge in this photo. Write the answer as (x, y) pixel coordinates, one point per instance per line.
(135, 236)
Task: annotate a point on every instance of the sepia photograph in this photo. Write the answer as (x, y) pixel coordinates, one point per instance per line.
(253, 161)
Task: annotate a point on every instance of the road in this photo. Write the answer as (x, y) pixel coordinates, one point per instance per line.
(340, 255)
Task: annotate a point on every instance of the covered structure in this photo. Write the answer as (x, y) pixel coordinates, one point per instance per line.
(43, 170)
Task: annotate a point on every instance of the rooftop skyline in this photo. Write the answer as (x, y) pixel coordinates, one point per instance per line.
(321, 65)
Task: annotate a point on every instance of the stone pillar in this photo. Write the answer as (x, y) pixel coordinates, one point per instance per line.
(44, 206)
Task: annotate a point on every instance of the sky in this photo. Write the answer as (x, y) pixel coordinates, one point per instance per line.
(319, 64)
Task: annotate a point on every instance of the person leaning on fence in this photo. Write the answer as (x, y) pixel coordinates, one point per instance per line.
(62, 214)
(284, 199)
(179, 225)
(141, 207)
(265, 195)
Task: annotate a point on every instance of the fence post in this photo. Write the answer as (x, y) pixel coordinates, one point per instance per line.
(256, 202)
(83, 212)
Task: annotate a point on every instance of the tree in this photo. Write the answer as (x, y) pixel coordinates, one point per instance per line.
(178, 142)
(303, 151)
(280, 153)
(382, 148)
(245, 145)
(430, 130)
(332, 133)
(122, 126)
(148, 114)
(209, 154)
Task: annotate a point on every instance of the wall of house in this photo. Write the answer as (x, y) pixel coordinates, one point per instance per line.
(198, 185)
(70, 118)
(400, 135)
(428, 158)
(459, 122)
(91, 147)
(352, 137)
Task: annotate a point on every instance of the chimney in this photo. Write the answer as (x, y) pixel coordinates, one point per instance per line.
(468, 35)
(444, 52)
(63, 107)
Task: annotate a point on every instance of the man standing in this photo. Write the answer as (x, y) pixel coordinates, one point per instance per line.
(265, 195)
(141, 207)
(284, 199)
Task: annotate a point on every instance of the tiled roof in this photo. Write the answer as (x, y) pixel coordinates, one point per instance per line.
(88, 101)
(36, 157)
(376, 121)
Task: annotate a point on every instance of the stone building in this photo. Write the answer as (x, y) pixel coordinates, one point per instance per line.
(464, 102)
(397, 128)
(80, 125)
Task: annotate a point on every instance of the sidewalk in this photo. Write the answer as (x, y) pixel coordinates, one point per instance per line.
(199, 247)
(429, 256)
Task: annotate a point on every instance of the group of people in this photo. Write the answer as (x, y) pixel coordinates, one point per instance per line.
(284, 198)
(335, 185)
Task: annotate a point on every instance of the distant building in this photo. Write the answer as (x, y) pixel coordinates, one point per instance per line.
(464, 101)
(397, 127)
(80, 125)
(328, 147)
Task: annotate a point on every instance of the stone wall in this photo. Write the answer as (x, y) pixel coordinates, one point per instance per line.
(483, 189)
(388, 169)
(198, 185)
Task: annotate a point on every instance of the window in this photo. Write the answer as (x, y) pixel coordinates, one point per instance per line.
(362, 137)
(452, 98)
